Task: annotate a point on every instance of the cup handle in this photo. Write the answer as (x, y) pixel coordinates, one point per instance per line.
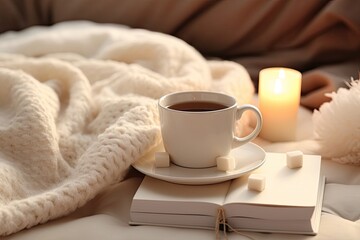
(238, 141)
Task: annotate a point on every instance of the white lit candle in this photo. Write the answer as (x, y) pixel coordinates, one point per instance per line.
(279, 99)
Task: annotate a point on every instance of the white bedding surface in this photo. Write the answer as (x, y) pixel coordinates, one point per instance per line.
(107, 216)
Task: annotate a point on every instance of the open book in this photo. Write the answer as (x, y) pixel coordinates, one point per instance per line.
(291, 201)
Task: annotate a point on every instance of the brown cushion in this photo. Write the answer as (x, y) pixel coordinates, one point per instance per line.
(255, 33)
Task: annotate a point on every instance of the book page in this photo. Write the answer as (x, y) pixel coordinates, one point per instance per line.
(301, 226)
(157, 196)
(284, 187)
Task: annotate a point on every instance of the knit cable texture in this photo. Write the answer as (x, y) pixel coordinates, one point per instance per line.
(78, 105)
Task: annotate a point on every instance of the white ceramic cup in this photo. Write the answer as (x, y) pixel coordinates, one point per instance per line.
(194, 139)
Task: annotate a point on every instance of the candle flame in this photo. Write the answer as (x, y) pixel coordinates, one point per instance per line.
(278, 87)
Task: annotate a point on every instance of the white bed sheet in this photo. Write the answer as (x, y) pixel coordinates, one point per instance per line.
(107, 215)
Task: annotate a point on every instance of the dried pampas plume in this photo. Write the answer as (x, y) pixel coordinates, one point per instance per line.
(337, 125)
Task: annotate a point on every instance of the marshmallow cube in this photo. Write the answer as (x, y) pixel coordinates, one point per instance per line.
(294, 159)
(225, 163)
(256, 182)
(162, 160)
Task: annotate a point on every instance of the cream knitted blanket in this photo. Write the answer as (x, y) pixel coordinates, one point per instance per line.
(78, 107)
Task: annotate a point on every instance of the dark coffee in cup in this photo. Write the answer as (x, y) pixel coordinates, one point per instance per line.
(197, 106)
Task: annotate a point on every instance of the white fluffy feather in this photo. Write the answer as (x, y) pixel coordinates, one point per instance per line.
(337, 125)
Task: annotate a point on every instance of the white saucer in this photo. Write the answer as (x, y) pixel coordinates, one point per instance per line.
(248, 157)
